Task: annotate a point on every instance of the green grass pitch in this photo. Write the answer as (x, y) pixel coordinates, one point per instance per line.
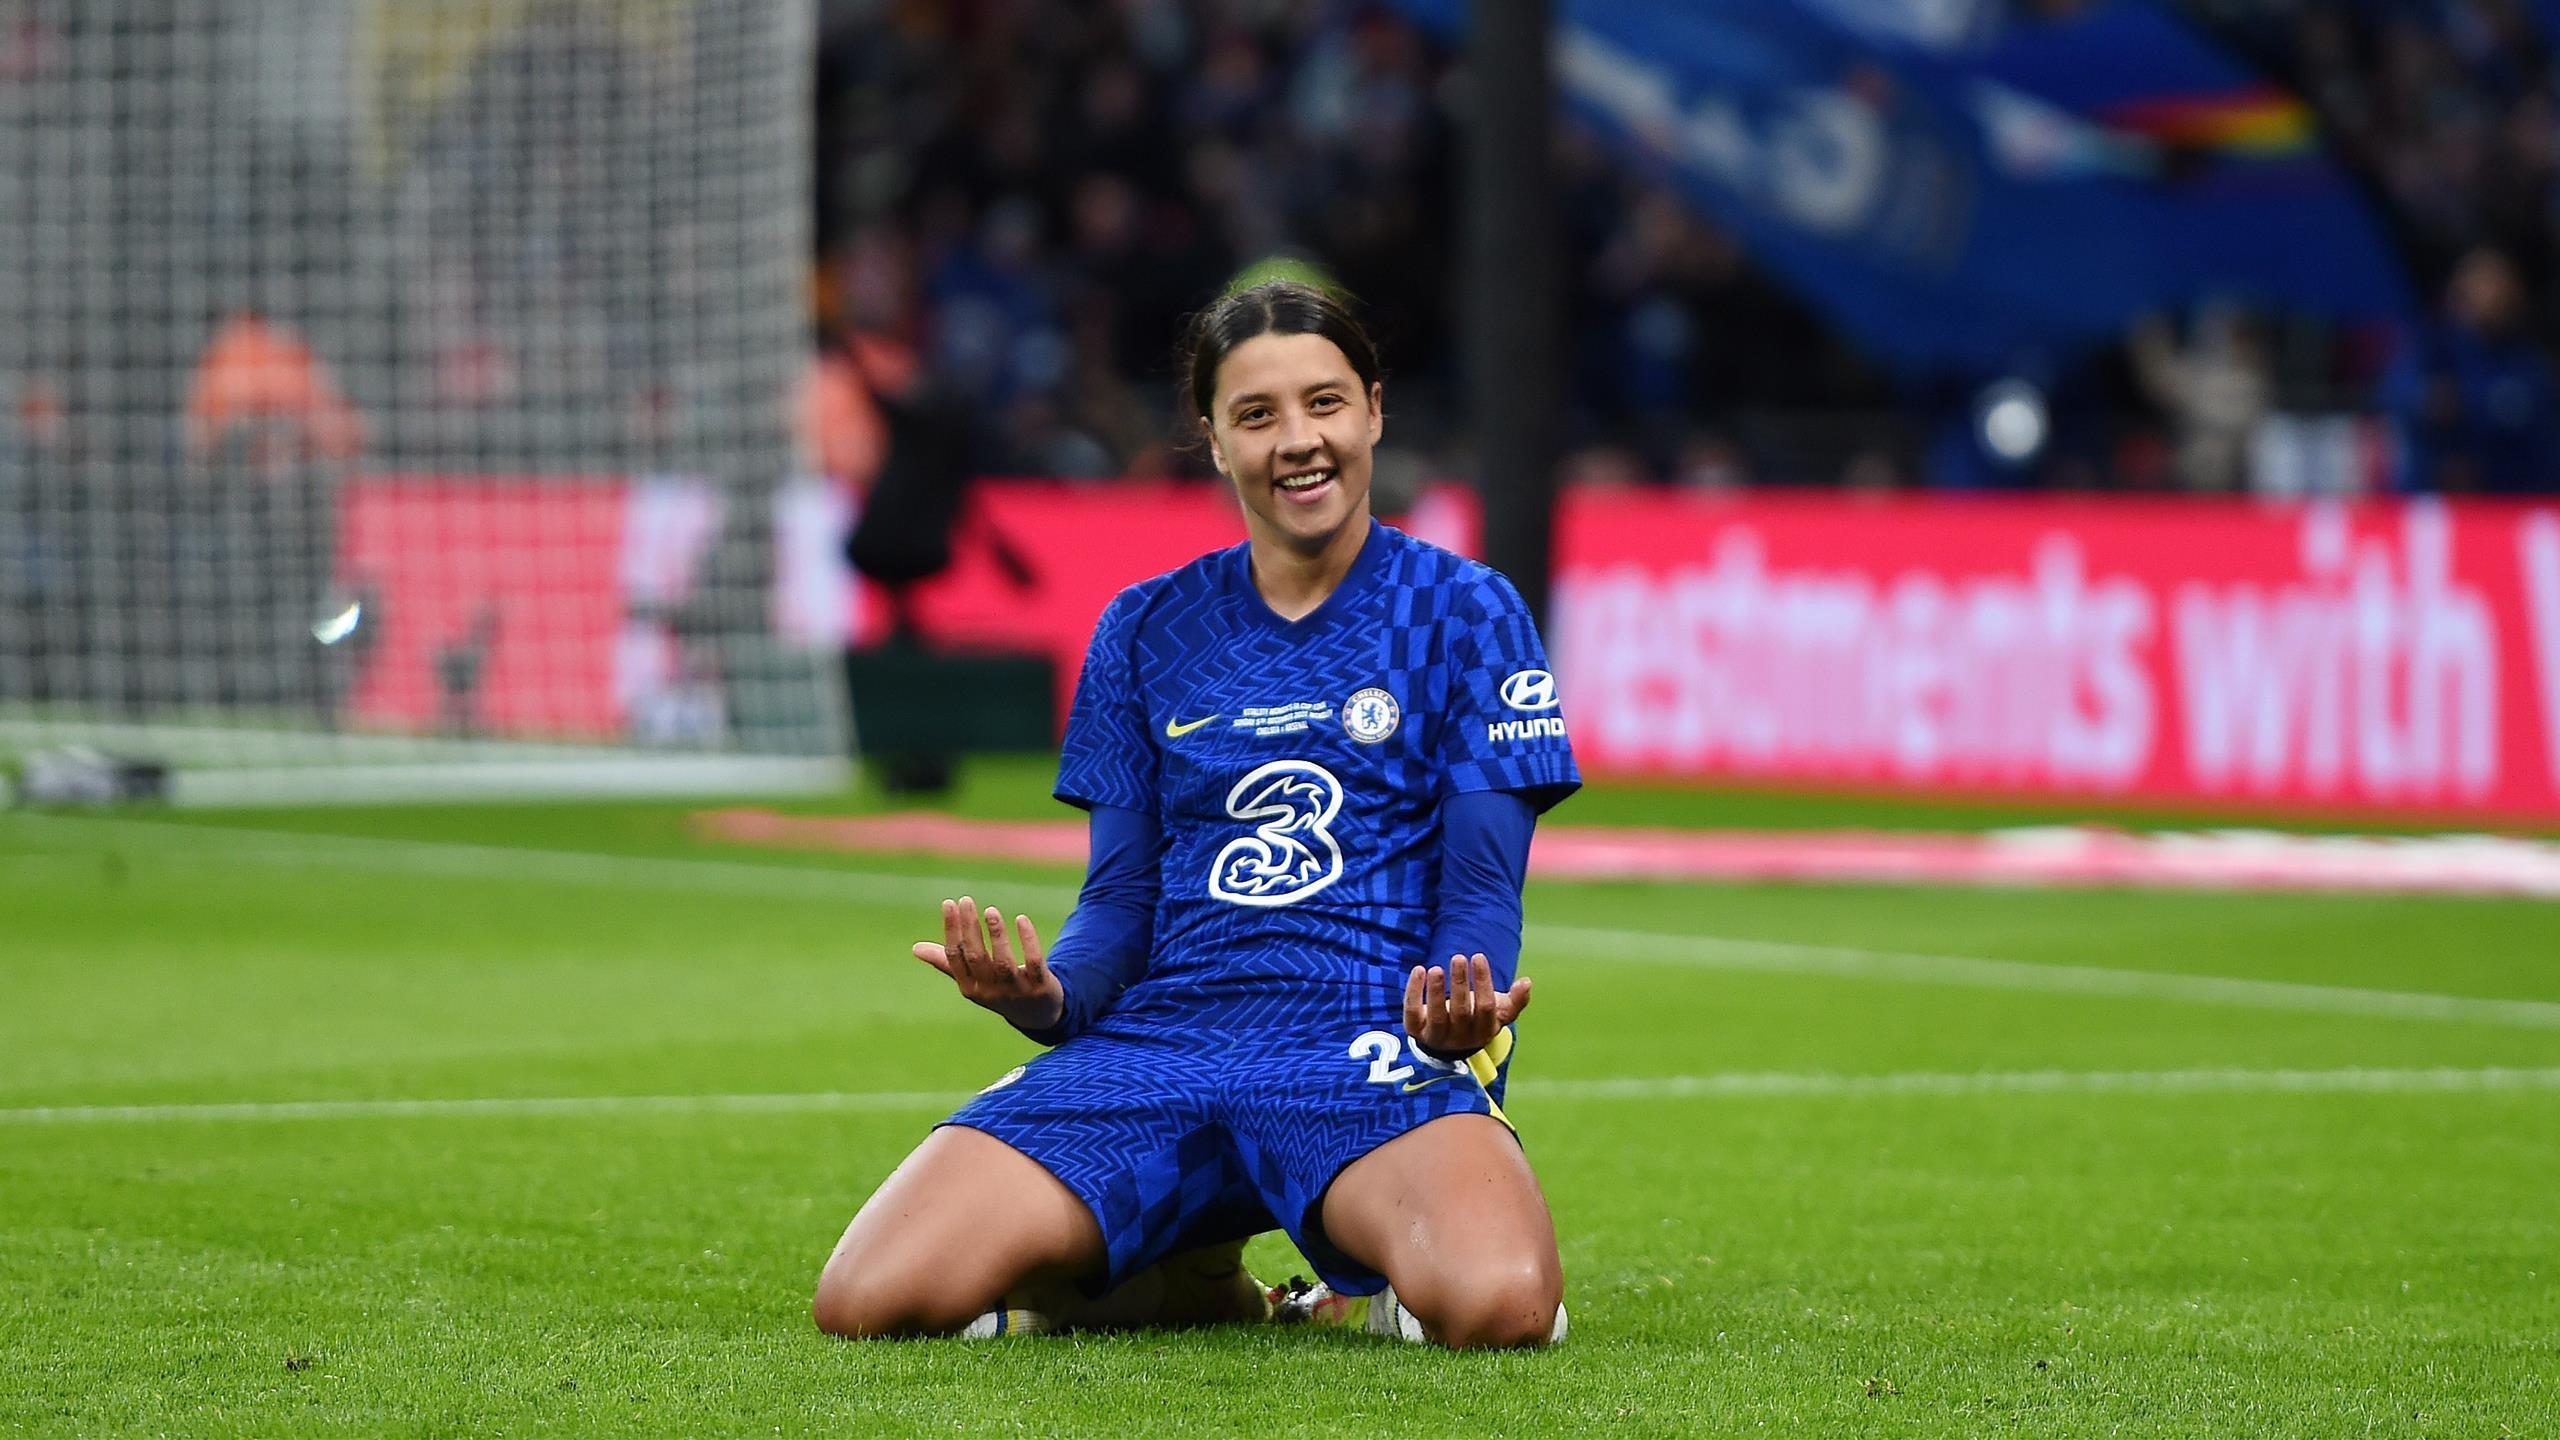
(1817, 1170)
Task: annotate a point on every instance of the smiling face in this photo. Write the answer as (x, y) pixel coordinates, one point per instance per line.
(1293, 427)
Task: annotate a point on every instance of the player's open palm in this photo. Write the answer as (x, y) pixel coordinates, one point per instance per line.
(1457, 1011)
(977, 953)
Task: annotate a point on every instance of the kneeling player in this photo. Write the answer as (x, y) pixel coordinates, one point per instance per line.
(1312, 764)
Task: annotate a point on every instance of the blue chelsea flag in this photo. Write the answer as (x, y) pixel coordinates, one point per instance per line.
(1957, 189)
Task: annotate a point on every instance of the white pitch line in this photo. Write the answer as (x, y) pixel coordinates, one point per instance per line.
(2047, 1082)
(563, 867)
(1712, 952)
(1789, 957)
(500, 1107)
(1738, 1085)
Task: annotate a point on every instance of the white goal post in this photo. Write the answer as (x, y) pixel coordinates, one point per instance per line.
(394, 395)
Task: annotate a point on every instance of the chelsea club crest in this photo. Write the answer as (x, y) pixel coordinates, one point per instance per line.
(1371, 716)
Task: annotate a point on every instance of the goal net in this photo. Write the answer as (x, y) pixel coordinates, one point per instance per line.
(394, 394)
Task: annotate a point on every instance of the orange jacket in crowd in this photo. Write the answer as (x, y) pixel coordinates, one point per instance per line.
(256, 372)
(841, 432)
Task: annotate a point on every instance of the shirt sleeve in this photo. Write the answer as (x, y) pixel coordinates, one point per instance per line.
(1484, 860)
(1109, 757)
(1505, 726)
(1105, 944)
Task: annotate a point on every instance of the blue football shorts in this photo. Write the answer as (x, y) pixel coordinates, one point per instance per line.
(1180, 1140)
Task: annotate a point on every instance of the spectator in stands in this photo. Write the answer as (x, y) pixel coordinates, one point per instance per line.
(1709, 461)
(993, 332)
(1134, 267)
(257, 380)
(1100, 402)
(1653, 335)
(2215, 390)
(863, 363)
(2472, 395)
(838, 428)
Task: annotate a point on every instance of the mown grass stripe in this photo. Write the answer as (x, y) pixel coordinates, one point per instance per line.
(1783, 957)
(1736, 1085)
(1791, 957)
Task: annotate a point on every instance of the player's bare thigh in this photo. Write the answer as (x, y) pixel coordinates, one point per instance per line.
(1451, 1214)
(960, 1222)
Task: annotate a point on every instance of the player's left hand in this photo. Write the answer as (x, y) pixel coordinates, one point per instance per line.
(1457, 1011)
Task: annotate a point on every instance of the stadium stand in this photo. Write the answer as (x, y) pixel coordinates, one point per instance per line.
(1033, 190)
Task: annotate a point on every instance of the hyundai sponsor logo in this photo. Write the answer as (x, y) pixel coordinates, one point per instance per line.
(1530, 690)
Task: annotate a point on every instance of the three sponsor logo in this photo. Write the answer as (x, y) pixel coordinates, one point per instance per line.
(1291, 852)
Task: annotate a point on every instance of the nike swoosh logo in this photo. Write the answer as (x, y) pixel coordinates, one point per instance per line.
(1412, 1085)
(1175, 731)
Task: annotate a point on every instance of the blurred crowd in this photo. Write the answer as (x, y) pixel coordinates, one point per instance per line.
(1031, 194)
(1018, 202)
(2449, 112)
(1021, 199)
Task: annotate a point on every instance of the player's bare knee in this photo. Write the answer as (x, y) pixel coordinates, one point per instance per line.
(844, 1309)
(856, 1301)
(840, 1310)
(850, 1314)
(1499, 1306)
(1496, 1323)
(840, 1315)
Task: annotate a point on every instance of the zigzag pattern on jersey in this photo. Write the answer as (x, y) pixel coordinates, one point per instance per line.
(1249, 968)
(1435, 631)
(1108, 757)
(1131, 1128)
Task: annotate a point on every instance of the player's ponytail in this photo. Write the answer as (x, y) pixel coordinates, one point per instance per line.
(1281, 307)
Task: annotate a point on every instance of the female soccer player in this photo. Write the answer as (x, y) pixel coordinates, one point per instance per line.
(1312, 764)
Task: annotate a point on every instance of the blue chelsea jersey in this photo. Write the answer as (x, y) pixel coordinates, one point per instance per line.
(1297, 770)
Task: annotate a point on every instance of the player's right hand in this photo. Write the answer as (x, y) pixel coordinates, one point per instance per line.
(978, 956)
(1457, 1011)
